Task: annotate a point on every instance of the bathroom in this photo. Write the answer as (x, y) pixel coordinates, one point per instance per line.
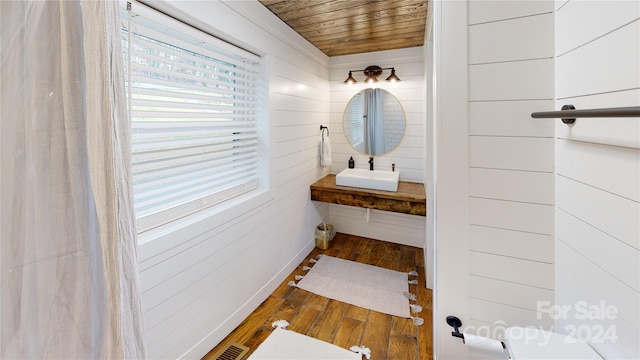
(522, 215)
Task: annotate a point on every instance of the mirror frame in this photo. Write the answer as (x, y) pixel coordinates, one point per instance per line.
(347, 109)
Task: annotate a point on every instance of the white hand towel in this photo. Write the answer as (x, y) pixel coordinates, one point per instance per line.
(325, 151)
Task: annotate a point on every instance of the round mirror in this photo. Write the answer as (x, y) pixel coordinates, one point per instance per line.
(374, 121)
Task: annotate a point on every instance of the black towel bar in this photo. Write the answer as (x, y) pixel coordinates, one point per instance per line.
(568, 114)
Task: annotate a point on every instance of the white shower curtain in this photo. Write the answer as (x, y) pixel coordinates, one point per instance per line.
(69, 285)
(375, 143)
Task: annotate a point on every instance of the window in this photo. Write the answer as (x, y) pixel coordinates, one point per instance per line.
(193, 106)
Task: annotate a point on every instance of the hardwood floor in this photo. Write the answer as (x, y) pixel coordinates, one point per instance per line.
(388, 337)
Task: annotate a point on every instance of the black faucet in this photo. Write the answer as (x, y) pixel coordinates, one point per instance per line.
(371, 163)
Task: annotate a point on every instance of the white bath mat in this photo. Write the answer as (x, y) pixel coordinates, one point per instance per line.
(289, 345)
(363, 285)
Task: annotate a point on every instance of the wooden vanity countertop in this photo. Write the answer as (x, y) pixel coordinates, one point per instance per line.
(409, 199)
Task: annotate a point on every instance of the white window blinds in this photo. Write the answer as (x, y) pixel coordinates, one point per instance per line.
(193, 106)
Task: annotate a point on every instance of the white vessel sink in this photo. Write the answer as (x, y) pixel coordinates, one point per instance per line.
(369, 179)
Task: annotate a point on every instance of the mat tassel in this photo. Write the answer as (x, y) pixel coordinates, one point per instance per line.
(313, 261)
(292, 283)
(362, 350)
(282, 324)
(413, 282)
(415, 308)
(299, 277)
(410, 296)
(417, 321)
(305, 268)
(413, 273)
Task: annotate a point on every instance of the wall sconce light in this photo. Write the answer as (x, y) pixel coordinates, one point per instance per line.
(372, 72)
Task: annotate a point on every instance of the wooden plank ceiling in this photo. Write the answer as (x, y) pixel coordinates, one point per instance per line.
(343, 27)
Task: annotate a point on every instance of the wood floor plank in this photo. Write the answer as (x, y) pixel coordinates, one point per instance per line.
(352, 248)
(256, 339)
(407, 259)
(336, 244)
(393, 255)
(403, 326)
(284, 289)
(403, 347)
(361, 258)
(420, 257)
(377, 252)
(376, 334)
(348, 247)
(424, 294)
(304, 321)
(332, 251)
(363, 250)
(425, 334)
(364, 246)
(357, 313)
(327, 323)
(298, 296)
(349, 333)
(287, 311)
(316, 302)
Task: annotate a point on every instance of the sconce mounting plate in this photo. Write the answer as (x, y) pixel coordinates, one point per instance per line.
(373, 70)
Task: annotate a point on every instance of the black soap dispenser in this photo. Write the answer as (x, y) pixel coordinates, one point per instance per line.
(352, 163)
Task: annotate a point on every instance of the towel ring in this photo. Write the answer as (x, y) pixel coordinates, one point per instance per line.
(322, 128)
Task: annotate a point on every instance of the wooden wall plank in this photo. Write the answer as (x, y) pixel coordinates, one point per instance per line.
(511, 215)
(589, 242)
(621, 341)
(508, 80)
(513, 243)
(602, 286)
(511, 153)
(488, 311)
(535, 31)
(510, 118)
(518, 295)
(612, 65)
(482, 11)
(609, 213)
(523, 186)
(609, 168)
(580, 15)
(531, 273)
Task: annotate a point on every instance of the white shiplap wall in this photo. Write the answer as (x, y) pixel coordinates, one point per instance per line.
(596, 171)
(598, 175)
(408, 156)
(200, 280)
(511, 164)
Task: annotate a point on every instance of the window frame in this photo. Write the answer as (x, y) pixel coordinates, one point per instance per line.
(203, 42)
